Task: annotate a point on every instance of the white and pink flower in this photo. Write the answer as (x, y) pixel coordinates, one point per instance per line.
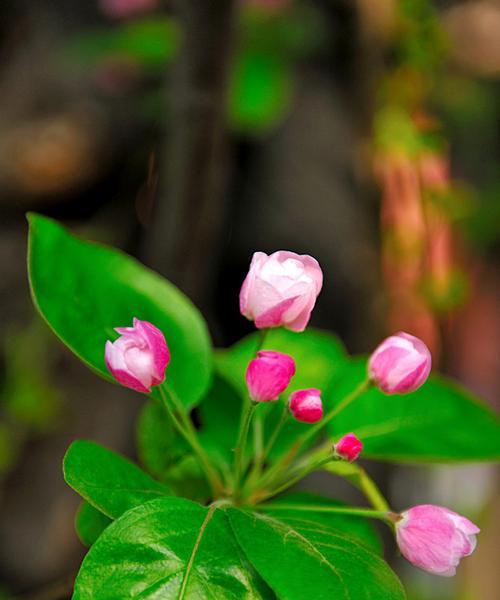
(401, 364)
(139, 357)
(280, 290)
(435, 539)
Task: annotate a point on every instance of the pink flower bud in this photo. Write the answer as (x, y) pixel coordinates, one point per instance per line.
(349, 447)
(268, 375)
(139, 357)
(435, 538)
(280, 290)
(401, 364)
(306, 405)
(119, 9)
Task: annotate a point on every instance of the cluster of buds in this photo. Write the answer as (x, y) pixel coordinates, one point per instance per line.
(280, 290)
(269, 375)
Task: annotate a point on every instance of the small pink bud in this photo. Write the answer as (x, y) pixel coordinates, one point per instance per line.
(434, 538)
(119, 9)
(139, 357)
(268, 375)
(401, 364)
(280, 290)
(306, 405)
(349, 447)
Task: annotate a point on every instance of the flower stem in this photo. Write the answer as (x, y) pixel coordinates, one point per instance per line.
(242, 440)
(276, 432)
(185, 427)
(341, 510)
(358, 391)
(287, 458)
(372, 492)
(293, 479)
(258, 426)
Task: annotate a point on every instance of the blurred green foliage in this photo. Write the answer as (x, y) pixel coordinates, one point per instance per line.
(30, 402)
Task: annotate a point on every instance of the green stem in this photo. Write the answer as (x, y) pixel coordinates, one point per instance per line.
(246, 416)
(185, 427)
(258, 427)
(276, 432)
(261, 339)
(283, 463)
(311, 432)
(242, 440)
(372, 492)
(258, 440)
(260, 458)
(293, 479)
(341, 510)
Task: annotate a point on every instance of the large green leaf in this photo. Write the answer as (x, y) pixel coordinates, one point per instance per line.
(302, 559)
(168, 548)
(360, 530)
(440, 422)
(318, 357)
(90, 523)
(108, 481)
(84, 290)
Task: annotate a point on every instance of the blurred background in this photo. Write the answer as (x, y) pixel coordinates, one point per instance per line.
(192, 133)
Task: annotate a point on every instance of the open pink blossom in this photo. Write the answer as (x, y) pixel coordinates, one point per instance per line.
(280, 290)
(349, 447)
(306, 405)
(435, 539)
(120, 9)
(268, 375)
(139, 357)
(401, 364)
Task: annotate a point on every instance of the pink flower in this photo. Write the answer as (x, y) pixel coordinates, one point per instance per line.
(281, 290)
(119, 9)
(401, 364)
(139, 357)
(268, 375)
(349, 447)
(306, 405)
(435, 538)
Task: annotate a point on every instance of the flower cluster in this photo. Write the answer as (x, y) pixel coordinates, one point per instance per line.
(280, 290)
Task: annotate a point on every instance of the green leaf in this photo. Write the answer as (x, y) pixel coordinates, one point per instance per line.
(304, 559)
(318, 357)
(187, 479)
(90, 523)
(359, 529)
(168, 548)
(440, 422)
(108, 481)
(84, 290)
